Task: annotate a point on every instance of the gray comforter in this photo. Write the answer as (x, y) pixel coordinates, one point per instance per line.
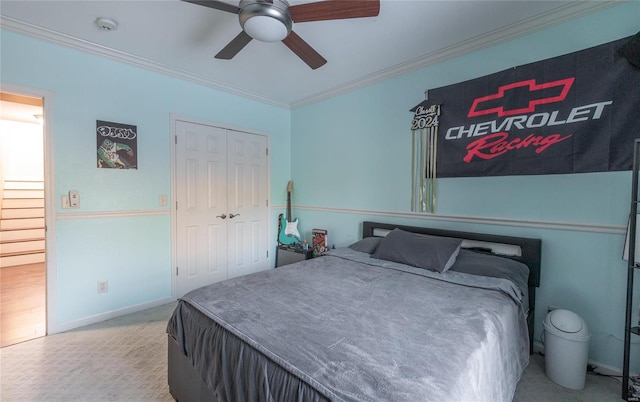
(345, 326)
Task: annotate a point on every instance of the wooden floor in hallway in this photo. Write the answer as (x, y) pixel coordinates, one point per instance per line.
(22, 303)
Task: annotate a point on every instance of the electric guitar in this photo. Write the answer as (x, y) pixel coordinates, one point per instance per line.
(288, 229)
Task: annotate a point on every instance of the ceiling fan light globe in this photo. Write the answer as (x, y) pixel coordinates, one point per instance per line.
(266, 21)
(265, 29)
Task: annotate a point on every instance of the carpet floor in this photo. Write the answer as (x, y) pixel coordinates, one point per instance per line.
(125, 359)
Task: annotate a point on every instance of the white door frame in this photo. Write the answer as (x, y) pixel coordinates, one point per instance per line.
(49, 196)
(173, 118)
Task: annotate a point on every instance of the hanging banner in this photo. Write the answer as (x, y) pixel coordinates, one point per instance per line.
(575, 113)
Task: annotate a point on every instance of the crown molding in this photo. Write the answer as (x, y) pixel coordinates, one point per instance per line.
(21, 27)
(562, 14)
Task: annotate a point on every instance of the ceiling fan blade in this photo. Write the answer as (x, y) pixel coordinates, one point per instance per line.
(334, 10)
(218, 5)
(236, 45)
(303, 50)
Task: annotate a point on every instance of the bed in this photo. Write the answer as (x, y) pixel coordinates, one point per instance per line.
(366, 322)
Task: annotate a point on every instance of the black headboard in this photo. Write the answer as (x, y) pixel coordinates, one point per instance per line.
(531, 248)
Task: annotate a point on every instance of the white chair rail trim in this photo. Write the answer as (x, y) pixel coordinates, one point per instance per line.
(567, 226)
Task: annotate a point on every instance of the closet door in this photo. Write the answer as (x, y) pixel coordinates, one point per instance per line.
(247, 200)
(201, 195)
(222, 212)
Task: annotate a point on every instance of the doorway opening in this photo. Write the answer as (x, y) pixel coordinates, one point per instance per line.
(23, 279)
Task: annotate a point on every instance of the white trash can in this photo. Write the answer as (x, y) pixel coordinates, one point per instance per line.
(566, 348)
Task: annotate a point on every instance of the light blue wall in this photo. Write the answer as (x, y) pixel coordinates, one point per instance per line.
(132, 252)
(353, 153)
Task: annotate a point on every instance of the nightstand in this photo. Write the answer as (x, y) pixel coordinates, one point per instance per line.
(290, 254)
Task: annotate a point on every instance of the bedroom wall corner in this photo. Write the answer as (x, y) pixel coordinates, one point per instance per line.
(351, 162)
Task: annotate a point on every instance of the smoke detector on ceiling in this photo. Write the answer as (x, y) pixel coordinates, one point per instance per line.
(106, 24)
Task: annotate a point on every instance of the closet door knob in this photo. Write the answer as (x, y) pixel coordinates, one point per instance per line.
(223, 216)
(231, 216)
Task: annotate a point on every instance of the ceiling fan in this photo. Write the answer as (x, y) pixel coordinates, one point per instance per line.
(272, 21)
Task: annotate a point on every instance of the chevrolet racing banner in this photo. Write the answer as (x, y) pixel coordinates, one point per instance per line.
(575, 113)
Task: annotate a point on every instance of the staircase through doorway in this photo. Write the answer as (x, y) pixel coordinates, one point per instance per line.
(22, 262)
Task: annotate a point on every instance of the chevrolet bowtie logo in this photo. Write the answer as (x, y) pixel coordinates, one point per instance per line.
(537, 96)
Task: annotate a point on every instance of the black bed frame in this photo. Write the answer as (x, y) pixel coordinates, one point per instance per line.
(185, 383)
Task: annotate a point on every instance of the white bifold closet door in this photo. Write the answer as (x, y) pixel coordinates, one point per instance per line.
(222, 211)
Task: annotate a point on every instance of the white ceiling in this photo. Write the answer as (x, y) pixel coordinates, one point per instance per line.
(180, 39)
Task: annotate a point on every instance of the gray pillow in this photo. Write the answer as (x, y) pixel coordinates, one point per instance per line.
(483, 264)
(367, 245)
(423, 251)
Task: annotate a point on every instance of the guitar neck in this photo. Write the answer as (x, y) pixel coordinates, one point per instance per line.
(289, 206)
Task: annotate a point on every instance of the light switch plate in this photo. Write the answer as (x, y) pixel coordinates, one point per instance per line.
(74, 199)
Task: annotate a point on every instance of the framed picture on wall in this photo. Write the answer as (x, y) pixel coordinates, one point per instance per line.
(117, 145)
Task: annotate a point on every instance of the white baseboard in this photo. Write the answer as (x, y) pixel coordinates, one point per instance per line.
(603, 369)
(67, 326)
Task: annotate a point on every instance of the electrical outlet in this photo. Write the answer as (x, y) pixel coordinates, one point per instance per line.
(65, 202)
(163, 200)
(103, 286)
